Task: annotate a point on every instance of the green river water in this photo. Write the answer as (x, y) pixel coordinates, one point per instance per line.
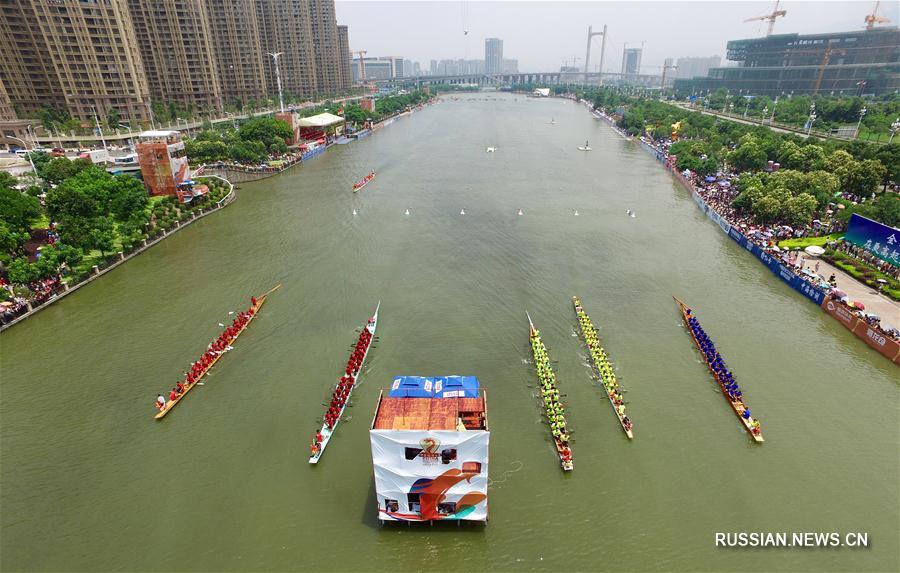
(89, 481)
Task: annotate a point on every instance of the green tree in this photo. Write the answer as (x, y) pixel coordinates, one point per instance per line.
(790, 179)
(18, 210)
(840, 163)
(271, 132)
(748, 156)
(113, 118)
(799, 210)
(822, 185)
(22, 272)
(790, 156)
(767, 209)
(887, 210)
(864, 177)
(59, 169)
(813, 158)
(103, 235)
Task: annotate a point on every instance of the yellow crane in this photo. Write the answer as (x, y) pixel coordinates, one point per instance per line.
(874, 18)
(770, 17)
(362, 64)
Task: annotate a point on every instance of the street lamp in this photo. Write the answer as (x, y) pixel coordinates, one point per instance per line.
(99, 130)
(862, 113)
(812, 118)
(28, 155)
(894, 128)
(278, 77)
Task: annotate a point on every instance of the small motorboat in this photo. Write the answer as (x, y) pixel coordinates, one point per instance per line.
(585, 147)
(491, 149)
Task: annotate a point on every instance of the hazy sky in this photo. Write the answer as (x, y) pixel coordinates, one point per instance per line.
(541, 35)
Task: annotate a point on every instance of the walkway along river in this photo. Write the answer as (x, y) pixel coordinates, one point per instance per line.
(89, 481)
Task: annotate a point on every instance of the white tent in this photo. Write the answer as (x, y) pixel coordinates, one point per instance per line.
(321, 120)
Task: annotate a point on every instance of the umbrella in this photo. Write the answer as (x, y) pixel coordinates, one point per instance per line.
(858, 305)
(882, 281)
(837, 293)
(815, 250)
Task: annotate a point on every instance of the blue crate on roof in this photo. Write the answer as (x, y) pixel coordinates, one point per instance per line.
(434, 387)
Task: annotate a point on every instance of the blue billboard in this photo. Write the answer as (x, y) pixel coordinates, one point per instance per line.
(880, 240)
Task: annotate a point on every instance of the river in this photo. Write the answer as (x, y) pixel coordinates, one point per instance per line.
(89, 481)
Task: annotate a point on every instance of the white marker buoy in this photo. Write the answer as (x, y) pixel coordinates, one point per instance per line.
(576, 212)
(407, 212)
(633, 215)
(520, 212)
(354, 211)
(462, 211)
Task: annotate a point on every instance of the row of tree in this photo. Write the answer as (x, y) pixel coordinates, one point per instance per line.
(384, 107)
(831, 111)
(252, 143)
(813, 174)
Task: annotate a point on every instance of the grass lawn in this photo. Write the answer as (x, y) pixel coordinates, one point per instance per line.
(42, 223)
(808, 241)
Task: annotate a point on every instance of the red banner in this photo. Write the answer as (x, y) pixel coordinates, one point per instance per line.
(871, 335)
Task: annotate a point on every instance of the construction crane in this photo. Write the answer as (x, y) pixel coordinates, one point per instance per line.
(362, 64)
(826, 57)
(874, 18)
(665, 68)
(770, 17)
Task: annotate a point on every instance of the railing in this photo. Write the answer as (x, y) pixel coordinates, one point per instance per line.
(64, 288)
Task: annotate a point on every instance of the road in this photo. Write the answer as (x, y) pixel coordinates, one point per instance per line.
(52, 141)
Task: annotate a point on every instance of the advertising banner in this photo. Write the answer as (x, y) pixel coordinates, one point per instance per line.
(889, 347)
(880, 240)
(430, 475)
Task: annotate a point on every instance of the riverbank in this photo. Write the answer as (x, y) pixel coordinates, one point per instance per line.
(788, 267)
(64, 288)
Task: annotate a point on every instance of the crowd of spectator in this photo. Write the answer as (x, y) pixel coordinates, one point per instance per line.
(719, 193)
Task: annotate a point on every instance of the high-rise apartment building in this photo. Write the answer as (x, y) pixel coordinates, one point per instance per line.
(631, 61)
(327, 47)
(25, 67)
(693, 67)
(285, 27)
(82, 56)
(175, 43)
(238, 54)
(344, 47)
(105, 55)
(493, 56)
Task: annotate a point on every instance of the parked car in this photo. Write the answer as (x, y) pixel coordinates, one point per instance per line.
(58, 152)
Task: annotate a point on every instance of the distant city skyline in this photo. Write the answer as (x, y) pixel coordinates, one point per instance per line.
(544, 35)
